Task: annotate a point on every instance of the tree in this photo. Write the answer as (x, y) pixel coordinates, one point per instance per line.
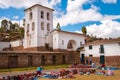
(21, 30)
(58, 26)
(1, 30)
(4, 24)
(84, 30)
(15, 27)
(10, 24)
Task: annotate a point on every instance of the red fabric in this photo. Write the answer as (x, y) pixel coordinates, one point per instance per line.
(38, 73)
(103, 65)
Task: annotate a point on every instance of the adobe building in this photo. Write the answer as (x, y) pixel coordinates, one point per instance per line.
(103, 51)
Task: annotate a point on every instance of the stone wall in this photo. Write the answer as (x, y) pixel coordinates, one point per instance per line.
(113, 60)
(59, 50)
(109, 60)
(17, 48)
(34, 58)
(40, 48)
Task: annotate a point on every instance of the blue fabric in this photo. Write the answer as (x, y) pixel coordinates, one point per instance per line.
(35, 78)
(39, 69)
(45, 76)
(111, 68)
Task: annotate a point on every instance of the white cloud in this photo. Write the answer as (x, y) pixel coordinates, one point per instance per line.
(54, 2)
(74, 5)
(27, 3)
(110, 1)
(76, 14)
(106, 29)
(79, 16)
(15, 17)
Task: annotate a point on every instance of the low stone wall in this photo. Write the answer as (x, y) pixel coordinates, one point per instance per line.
(109, 60)
(17, 48)
(113, 60)
(59, 50)
(40, 48)
(10, 59)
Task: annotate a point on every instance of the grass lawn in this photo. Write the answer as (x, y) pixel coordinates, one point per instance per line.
(34, 68)
(92, 77)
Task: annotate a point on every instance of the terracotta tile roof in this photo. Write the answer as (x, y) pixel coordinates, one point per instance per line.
(98, 42)
(39, 5)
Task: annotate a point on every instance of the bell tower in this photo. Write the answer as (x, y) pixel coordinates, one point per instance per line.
(38, 25)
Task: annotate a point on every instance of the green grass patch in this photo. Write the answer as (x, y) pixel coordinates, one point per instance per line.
(34, 68)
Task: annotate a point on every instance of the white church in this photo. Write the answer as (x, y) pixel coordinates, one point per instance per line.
(40, 35)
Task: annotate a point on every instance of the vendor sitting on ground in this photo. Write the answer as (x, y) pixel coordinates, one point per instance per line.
(75, 64)
(103, 66)
(39, 71)
(110, 72)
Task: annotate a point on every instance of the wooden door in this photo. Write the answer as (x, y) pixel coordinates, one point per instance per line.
(30, 62)
(42, 60)
(13, 61)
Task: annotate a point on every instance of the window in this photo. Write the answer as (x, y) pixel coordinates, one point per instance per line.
(90, 55)
(101, 48)
(48, 27)
(42, 26)
(27, 27)
(30, 16)
(90, 47)
(33, 25)
(55, 39)
(62, 42)
(80, 44)
(42, 14)
(48, 16)
(119, 43)
(85, 40)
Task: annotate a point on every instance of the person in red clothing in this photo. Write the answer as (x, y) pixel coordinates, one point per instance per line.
(75, 64)
(103, 65)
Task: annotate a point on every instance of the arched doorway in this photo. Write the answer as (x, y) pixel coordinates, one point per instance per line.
(72, 45)
(42, 60)
(53, 59)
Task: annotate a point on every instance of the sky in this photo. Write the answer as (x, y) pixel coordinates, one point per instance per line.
(100, 17)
